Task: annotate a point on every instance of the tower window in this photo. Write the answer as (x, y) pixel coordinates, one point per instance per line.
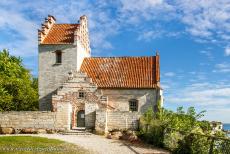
(58, 57)
(81, 94)
(133, 105)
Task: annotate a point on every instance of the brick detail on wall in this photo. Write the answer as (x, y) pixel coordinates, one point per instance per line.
(69, 92)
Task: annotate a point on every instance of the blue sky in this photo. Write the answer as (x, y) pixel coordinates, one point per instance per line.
(192, 37)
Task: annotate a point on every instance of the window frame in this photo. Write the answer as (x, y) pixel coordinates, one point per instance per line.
(133, 105)
(81, 95)
(58, 54)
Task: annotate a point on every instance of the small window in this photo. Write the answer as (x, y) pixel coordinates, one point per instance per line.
(81, 95)
(133, 105)
(58, 57)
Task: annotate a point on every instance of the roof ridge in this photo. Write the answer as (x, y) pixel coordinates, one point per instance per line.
(67, 24)
(124, 57)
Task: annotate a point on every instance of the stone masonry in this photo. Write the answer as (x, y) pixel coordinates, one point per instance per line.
(52, 74)
(69, 92)
(37, 119)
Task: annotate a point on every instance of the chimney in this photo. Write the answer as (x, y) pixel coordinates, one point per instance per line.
(45, 28)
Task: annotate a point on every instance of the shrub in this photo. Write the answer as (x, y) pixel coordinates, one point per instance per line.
(179, 132)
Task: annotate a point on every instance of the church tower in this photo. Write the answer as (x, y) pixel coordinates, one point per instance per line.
(61, 49)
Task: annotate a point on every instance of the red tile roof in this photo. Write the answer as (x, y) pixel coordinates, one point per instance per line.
(123, 72)
(61, 34)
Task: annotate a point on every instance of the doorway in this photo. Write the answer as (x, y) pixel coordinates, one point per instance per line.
(80, 118)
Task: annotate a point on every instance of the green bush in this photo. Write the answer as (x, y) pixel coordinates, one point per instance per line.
(179, 132)
(171, 140)
(192, 143)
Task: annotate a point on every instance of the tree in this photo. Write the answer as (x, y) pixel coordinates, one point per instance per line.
(18, 89)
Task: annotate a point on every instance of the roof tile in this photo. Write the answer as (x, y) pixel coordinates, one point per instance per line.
(123, 72)
(61, 34)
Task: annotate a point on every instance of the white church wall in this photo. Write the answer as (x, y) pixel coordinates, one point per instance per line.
(116, 120)
(81, 54)
(119, 98)
(90, 114)
(52, 75)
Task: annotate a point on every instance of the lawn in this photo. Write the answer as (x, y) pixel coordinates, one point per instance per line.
(39, 145)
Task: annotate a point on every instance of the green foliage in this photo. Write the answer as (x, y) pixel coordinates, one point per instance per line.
(18, 90)
(180, 131)
(192, 143)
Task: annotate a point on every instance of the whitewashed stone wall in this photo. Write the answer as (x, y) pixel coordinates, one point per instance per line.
(119, 98)
(52, 75)
(90, 114)
(27, 119)
(123, 120)
(100, 122)
(59, 120)
(120, 120)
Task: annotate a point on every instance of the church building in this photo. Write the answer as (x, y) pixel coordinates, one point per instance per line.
(101, 93)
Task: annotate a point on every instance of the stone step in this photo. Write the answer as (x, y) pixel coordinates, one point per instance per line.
(76, 133)
(78, 128)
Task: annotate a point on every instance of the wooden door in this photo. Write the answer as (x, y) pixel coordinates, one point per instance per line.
(81, 118)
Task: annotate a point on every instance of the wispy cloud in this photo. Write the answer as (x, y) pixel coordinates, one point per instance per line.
(17, 24)
(169, 74)
(227, 51)
(222, 68)
(205, 21)
(101, 22)
(205, 18)
(217, 114)
(135, 11)
(202, 94)
(208, 54)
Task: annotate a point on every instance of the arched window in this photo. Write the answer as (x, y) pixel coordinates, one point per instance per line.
(133, 105)
(58, 56)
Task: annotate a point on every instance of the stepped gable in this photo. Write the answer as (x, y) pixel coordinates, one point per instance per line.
(52, 33)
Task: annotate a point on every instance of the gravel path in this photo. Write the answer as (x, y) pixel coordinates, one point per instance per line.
(101, 145)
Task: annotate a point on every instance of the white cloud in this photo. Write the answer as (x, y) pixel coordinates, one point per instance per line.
(206, 21)
(150, 35)
(222, 68)
(202, 94)
(136, 12)
(101, 24)
(218, 114)
(208, 54)
(169, 74)
(205, 18)
(17, 23)
(227, 51)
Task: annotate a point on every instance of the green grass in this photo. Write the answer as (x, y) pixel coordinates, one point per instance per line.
(36, 145)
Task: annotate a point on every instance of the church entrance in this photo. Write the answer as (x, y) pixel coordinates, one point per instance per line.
(80, 118)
